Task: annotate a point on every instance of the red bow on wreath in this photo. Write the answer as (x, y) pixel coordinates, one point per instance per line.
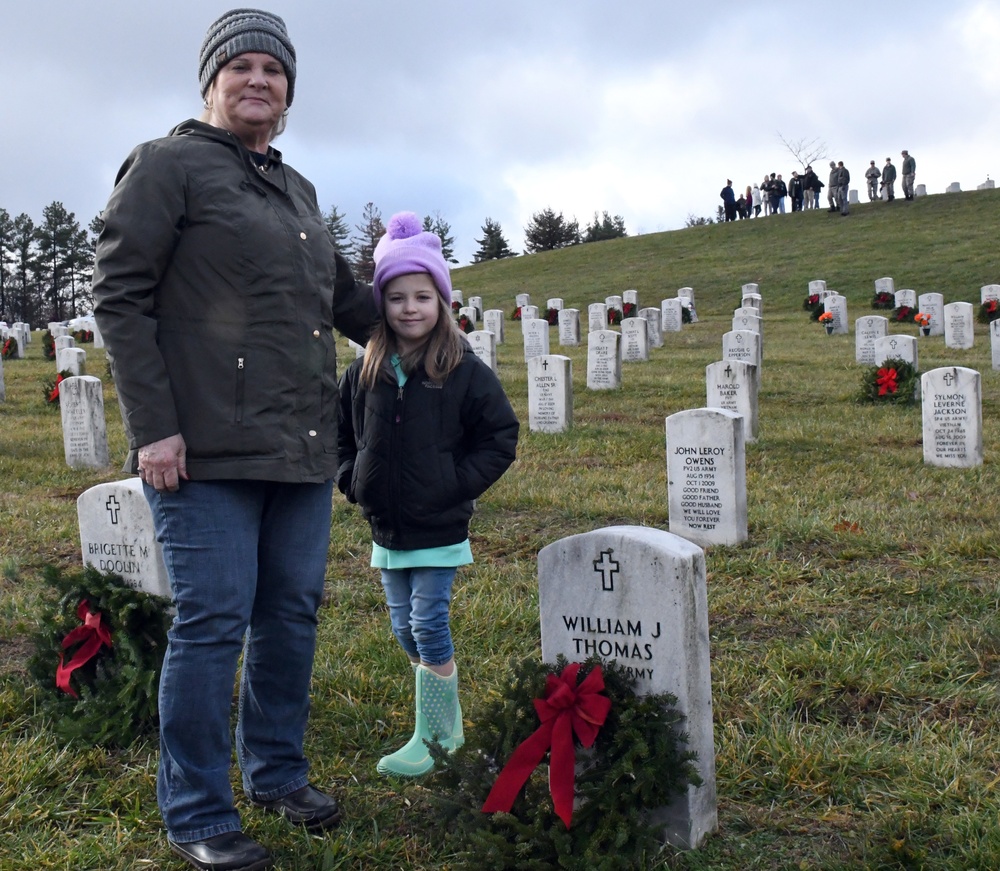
(92, 634)
(886, 381)
(566, 709)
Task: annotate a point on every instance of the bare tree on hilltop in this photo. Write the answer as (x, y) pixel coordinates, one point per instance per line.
(547, 231)
(493, 245)
(805, 151)
(370, 230)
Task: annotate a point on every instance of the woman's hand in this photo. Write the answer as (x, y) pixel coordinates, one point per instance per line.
(163, 464)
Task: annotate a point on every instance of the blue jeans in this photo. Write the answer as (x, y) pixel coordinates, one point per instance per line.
(419, 601)
(246, 562)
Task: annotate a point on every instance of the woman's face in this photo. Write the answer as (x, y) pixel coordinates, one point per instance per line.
(247, 98)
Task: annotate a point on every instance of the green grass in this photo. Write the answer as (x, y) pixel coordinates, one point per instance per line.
(855, 636)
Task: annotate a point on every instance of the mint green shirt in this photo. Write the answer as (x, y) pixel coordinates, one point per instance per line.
(440, 557)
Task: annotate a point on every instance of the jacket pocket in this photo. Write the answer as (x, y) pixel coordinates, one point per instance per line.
(240, 397)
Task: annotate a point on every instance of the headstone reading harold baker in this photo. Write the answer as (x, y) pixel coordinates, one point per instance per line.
(707, 476)
(637, 595)
(116, 535)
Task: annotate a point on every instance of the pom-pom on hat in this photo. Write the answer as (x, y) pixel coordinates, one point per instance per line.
(240, 31)
(407, 248)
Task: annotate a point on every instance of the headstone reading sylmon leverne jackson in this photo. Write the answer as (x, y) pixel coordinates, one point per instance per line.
(933, 304)
(493, 321)
(569, 327)
(959, 325)
(635, 340)
(117, 535)
(535, 333)
(732, 385)
(484, 346)
(85, 437)
(706, 476)
(604, 361)
(550, 393)
(638, 596)
(952, 417)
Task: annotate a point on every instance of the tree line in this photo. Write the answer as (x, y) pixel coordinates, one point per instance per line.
(46, 268)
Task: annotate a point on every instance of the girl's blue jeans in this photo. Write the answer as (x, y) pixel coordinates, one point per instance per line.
(419, 601)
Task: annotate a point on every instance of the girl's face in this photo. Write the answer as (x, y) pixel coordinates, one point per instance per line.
(411, 309)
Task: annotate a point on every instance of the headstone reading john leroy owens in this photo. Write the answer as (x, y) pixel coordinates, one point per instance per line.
(637, 595)
(706, 476)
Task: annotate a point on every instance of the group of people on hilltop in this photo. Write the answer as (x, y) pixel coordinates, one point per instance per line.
(804, 189)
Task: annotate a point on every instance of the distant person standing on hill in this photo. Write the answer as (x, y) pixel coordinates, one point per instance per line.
(872, 175)
(843, 184)
(729, 200)
(765, 195)
(831, 191)
(909, 170)
(756, 199)
(795, 191)
(888, 179)
(812, 186)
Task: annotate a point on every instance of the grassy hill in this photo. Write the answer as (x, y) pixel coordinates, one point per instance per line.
(855, 636)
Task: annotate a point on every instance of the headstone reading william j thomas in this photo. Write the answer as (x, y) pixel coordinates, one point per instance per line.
(637, 596)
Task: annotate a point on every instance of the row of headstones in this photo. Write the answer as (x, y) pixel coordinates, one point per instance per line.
(20, 332)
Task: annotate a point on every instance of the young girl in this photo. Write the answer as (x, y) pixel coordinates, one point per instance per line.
(425, 429)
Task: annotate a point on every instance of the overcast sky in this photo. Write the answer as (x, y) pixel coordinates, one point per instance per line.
(473, 109)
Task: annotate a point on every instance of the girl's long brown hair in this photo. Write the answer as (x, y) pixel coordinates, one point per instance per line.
(440, 354)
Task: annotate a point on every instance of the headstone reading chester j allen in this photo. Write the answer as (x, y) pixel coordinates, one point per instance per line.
(116, 535)
(707, 476)
(637, 595)
(550, 393)
(952, 417)
(85, 436)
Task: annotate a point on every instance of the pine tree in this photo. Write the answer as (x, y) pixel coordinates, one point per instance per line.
(605, 228)
(442, 228)
(370, 230)
(54, 237)
(340, 232)
(6, 236)
(493, 245)
(22, 302)
(547, 231)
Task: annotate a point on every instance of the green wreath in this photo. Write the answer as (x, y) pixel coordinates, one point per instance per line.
(637, 763)
(895, 381)
(116, 689)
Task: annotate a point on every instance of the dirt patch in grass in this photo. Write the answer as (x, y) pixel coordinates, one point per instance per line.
(14, 655)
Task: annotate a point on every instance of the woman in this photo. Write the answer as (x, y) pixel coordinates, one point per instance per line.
(217, 288)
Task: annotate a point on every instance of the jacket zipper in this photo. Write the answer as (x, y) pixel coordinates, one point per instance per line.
(240, 380)
(397, 437)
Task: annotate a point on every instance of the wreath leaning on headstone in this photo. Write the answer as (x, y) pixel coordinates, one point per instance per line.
(636, 763)
(98, 654)
(895, 381)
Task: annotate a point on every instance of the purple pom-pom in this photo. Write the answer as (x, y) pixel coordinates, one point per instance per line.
(403, 225)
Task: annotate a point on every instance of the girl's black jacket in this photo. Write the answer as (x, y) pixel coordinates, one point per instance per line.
(414, 458)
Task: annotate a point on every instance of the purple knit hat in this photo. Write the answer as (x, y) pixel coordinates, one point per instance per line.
(407, 248)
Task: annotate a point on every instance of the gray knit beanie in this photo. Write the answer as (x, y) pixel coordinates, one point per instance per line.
(240, 31)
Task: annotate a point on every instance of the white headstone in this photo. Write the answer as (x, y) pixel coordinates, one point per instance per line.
(885, 285)
(484, 346)
(529, 313)
(906, 298)
(550, 393)
(614, 301)
(3, 388)
(476, 302)
(686, 293)
(73, 360)
(837, 306)
(457, 296)
(85, 437)
(958, 325)
(753, 324)
(117, 535)
(867, 331)
(954, 188)
(706, 476)
(470, 312)
(556, 303)
(569, 327)
(635, 340)
(653, 331)
(631, 297)
(604, 361)
(994, 347)
(817, 286)
(597, 317)
(638, 596)
(753, 300)
(952, 417)
(732, 385)
(750, 288)
(63, 342)
(493, 321)
(933, 304)
(988, 292)
(522, 299)
(746, 311)
(671, 317)
(536, 337)
(894, 347)
(743, 345)
(98, 338)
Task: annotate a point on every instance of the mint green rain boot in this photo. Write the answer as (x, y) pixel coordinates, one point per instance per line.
(438, 715)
